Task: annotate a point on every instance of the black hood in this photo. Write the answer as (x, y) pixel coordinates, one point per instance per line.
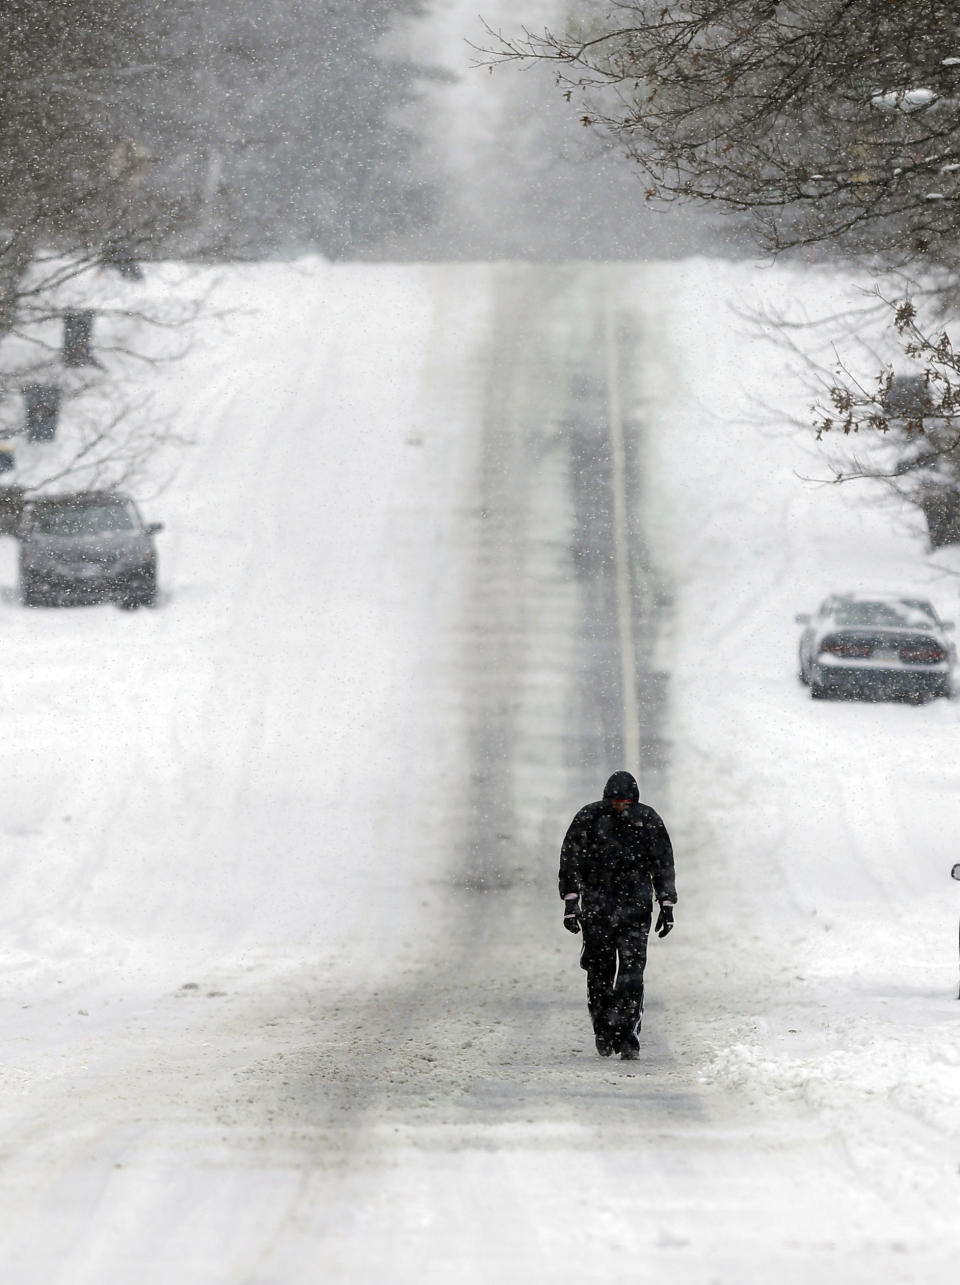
(621, 786)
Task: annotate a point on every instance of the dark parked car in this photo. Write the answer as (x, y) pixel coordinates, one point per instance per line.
(876, 647)
(92, 546)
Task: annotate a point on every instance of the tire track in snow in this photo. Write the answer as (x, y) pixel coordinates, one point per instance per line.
(459, 1039)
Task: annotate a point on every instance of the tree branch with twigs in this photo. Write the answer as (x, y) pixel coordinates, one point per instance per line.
(823, 126)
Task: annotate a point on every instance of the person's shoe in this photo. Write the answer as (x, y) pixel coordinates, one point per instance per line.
(605, 1046)
(629, 1048)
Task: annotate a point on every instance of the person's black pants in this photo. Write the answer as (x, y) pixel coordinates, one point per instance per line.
(614, 956)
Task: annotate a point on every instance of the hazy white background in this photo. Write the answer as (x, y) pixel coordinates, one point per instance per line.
(285, 993)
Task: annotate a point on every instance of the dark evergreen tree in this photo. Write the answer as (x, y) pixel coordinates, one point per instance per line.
(66, 127)
(131, 128)
(70, 162)
(277, 128)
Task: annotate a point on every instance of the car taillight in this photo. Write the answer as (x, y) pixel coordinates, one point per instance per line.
(848, 648)
(927, 653)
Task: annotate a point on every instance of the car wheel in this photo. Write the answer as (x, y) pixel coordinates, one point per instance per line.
(30, 594)
(817, 691)
(144, 595)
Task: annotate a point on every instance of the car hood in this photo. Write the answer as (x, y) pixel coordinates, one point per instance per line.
(88, 548)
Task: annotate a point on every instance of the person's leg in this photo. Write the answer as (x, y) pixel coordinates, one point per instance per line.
(598, 958)
(626, 1009)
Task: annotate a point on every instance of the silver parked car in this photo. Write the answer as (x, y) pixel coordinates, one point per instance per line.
(92, 546)
(876, 647)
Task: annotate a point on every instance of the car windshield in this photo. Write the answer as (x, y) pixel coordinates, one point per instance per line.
(83, 519)
(885, 615)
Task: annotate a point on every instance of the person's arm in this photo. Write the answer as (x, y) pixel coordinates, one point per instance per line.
(664, 877)
(661, 864)
(574, 845)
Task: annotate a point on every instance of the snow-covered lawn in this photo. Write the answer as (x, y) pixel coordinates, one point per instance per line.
(819, 837)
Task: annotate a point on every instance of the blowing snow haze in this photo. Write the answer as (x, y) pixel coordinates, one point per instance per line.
(286, 991)
(370, 131)
(214, 128)
(356, 130)
(514, 173)
(279, 126)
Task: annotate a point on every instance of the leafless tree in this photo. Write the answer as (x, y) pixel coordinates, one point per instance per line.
(74, 219)
(915, 417)
(830, 122)
(110, 430)
(830, 127)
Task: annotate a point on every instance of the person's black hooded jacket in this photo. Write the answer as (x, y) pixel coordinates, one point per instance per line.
(612, 858)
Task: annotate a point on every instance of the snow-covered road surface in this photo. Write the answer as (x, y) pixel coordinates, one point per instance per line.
(285, 990)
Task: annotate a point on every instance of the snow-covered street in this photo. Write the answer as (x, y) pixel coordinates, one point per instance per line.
(285, 989)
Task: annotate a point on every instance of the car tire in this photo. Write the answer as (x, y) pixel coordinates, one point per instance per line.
(144, 595)
(817, 691)
(30, 594)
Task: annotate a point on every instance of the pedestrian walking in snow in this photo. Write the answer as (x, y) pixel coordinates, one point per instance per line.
(616, 857)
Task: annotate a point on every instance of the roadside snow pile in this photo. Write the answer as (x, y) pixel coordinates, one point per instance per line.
(181, 764)
(814, 839)
(921, 1077)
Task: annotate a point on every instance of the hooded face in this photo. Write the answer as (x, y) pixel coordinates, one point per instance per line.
(621, 791)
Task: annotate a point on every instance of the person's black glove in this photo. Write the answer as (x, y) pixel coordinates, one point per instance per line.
(664, 921)
(571, 914)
